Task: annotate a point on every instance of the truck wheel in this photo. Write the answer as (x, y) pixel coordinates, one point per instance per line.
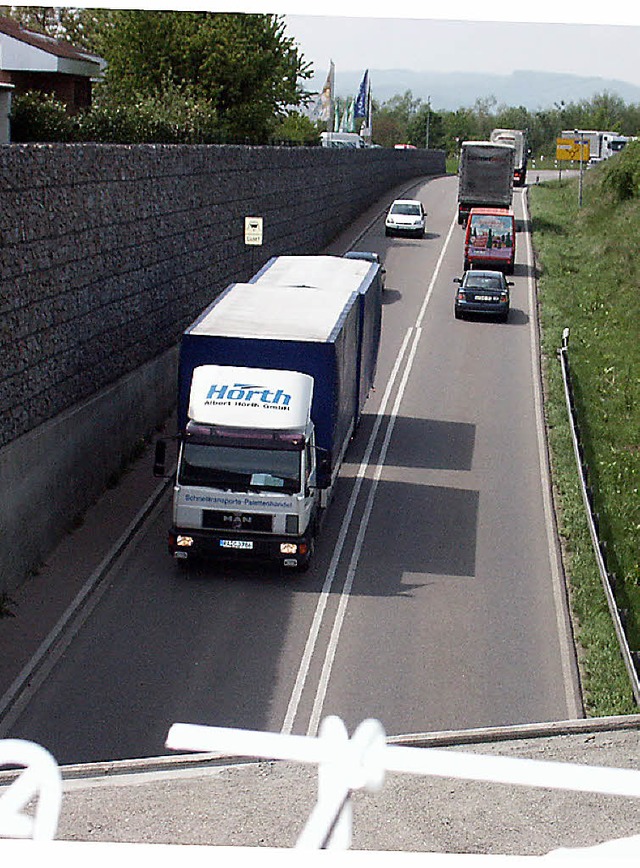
(183, 565)
(302, 568)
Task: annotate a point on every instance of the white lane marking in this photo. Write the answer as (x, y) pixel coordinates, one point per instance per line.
(305, 662)
(332, 646)
(557, 580)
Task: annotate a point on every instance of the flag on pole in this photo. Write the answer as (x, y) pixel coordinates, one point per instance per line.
(362, 100)
(326, 97)
(350, 123)
(322, 107)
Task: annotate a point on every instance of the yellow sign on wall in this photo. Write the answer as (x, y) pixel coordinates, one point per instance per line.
(569, 149)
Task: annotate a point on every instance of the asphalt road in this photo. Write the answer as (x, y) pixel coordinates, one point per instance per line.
(435, 601)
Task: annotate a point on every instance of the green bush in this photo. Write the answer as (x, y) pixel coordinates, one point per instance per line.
(170, 117)
(621, 175)
(296, 129)
(37, 117)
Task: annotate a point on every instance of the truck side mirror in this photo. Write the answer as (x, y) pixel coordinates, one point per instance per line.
(160, 458)
(323, 467)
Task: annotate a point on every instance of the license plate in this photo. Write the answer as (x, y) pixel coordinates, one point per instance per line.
(484, 298)
(236, 544)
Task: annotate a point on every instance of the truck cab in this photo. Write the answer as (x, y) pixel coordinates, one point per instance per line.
(246, 481)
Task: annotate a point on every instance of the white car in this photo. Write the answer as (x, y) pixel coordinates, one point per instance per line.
(406, 216)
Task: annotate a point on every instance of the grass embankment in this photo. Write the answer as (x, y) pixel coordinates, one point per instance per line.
(590, 283)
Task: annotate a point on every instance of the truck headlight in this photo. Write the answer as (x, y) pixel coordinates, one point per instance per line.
(288, 548)
(184, 541)
(291, 524)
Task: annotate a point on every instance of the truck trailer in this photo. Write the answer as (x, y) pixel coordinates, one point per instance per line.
(592, 138)
(602, 143)
(517, 139)
(272, 380)
(485, 177)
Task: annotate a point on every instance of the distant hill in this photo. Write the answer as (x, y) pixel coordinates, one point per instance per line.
(450, 91)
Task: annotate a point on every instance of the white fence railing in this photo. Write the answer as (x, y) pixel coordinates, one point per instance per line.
(39, 780)
(345, 765)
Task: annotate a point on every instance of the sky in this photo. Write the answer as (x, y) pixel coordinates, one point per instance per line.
(603, 51)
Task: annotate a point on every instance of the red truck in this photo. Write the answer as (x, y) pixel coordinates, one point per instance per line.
(490, 240)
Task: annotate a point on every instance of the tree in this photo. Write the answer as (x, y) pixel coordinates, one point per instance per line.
(244, 65)
(459, 126)
(60, 22)
(391, 120)
(298, 129)
(417, 128)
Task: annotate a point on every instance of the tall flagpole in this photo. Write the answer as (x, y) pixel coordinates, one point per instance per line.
(327, 98)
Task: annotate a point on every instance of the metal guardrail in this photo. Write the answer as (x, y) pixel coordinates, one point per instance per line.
(599, 547)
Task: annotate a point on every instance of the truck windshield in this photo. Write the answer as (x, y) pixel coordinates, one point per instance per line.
(233, 468)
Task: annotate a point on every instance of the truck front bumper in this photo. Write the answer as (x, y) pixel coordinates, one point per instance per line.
(190, 543)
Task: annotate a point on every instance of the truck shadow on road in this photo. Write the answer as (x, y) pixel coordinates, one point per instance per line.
(517, 317)
(391, 296)
(417, 525)
(433, 444)
(522, 269)
(418, 529)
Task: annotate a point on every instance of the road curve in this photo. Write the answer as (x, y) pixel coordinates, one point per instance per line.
(436, 599)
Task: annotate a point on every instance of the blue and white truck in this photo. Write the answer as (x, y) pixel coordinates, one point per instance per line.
(272, 380)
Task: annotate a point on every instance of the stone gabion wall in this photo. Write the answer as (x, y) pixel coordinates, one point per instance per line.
(108, 252)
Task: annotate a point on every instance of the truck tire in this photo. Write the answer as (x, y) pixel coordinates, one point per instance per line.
(304, 566)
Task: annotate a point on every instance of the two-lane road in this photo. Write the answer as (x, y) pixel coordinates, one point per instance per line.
(435, 600)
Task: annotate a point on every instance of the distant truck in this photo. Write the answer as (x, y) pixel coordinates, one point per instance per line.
(613, 143)
(485, 176)
(490, 239)
(272, 380)
(602, 143)
(593, 138)
(341, 140)
(518, 139)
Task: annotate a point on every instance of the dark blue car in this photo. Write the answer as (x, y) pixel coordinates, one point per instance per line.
(485, 293)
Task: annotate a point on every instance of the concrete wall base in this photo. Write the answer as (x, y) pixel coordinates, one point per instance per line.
(50, 476)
